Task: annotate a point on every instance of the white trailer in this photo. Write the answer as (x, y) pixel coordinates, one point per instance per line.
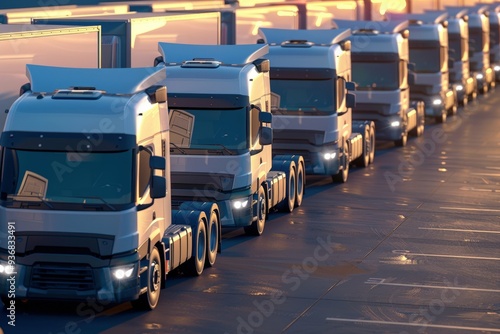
(311, 103)
(131, 40)
(85, 153)
(25, 15)
(43, 45)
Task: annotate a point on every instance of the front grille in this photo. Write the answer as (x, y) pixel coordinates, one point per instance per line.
(62, 277)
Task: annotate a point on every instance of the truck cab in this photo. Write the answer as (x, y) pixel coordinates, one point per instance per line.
(312, 103)
(429, 54)
(219, 100)
(380, 60)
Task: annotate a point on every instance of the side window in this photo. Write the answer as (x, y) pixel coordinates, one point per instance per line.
(254, 124)
(144, 172)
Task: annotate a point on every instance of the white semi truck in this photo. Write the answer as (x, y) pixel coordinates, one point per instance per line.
(85, 184)
(311, 103)
(461, 78)
(479, 46)
(43, 45)
(380, 59)
(429, 54)
(219, 99)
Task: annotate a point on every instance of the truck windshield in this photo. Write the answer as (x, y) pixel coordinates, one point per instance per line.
(376, 76)
(313, 97)
(427, 60)
(55, 178)
(221, 131)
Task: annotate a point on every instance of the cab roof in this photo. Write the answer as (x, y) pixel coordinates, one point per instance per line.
(227, 54)
(110, 80)
(316, 36)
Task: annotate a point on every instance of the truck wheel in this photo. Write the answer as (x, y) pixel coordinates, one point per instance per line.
(196, 264)
(401, 142)
(442, 117)
(364, 159)
(212, 239)
(343, 175)
(301, 184)
(257, 227)
(288, 203)
(149, 300)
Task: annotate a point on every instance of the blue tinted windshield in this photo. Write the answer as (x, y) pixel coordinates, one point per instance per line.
(67, 177)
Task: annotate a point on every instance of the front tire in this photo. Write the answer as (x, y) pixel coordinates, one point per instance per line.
(149, 300)
(257, 226)
(301, 184)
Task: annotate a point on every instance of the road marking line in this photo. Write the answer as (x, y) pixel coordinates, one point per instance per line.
(378, 281)
(406, 252)
(424, 325)
(468, 209)
(457, 230)
(486, 174)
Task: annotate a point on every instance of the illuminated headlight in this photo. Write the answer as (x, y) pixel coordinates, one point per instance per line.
(329, 155)
(459, 88)
(395, 124)
(123, 272)
(479, 76)
(496, 68)
(240, 204)
(437, 102)
(6, 269)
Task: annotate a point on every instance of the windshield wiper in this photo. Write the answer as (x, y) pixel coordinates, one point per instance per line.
(177, 147)
(26, 198)
(225, 149)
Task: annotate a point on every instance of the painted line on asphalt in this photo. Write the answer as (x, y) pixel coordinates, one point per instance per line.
(486, 174)
(468, 209)
(381, 281)
(412, 324)
(457, 230)
(406, 252)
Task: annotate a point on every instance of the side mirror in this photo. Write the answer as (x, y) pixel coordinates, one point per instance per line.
(350, 100)
(265, 117)
(411, 78)
(158, 187)
(265, 136)
(157, 162)
(349, 85)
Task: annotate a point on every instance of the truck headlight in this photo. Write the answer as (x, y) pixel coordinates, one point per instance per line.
(395, 124)
(496, 68)
(459, 88)
(479, 76)
(123, 272)
(7, 269)
(437, 102)
(240, 204)
(329, 155)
